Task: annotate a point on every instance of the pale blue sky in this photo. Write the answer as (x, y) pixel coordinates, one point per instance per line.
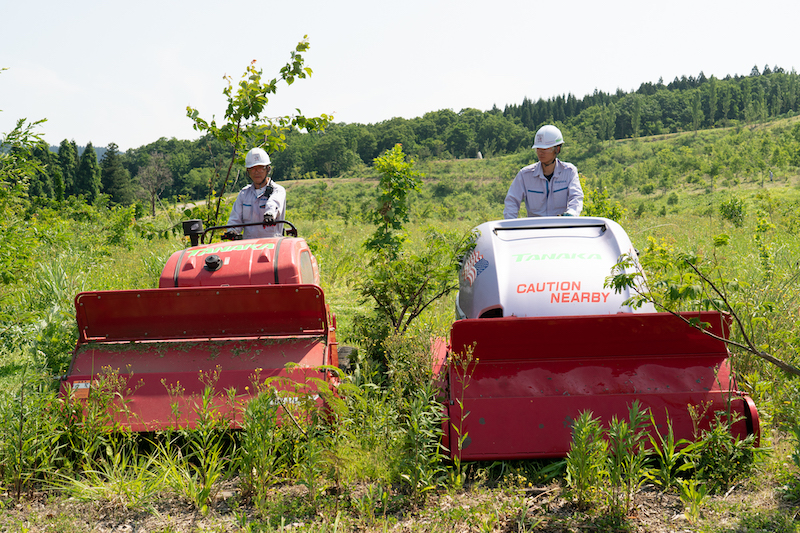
(124, 72)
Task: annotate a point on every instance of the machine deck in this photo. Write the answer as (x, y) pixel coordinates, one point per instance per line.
(533, 376)
(169, 344)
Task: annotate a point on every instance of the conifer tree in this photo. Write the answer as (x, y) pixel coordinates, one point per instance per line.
(87, 179)
(115, 179)
(68, 162)
(41, 181)
(636, 115)
(727, 98)
(712, 100)
(697, 112)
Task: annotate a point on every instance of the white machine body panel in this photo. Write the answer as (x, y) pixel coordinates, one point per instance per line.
(544, 266)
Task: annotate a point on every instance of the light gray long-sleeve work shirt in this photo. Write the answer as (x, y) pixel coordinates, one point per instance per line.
(252, 204)
(561, 194)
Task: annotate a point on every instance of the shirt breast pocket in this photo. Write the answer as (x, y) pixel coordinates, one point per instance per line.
(560, 193)
(535, 195)
(247, 212)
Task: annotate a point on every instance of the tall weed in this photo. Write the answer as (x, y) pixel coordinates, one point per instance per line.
(88, 424)
(198, 467)
(587, 461)
(298, 420)
(49, 300)
(462, 365)
(262, 460)
(421, 466)
(371, 432)
(29, 438)
(409, 360)
(669, 455)
(627, 457)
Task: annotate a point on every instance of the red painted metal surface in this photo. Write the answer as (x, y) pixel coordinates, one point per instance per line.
(535, 375)
(269, 261)
(200, 313)
(168, 340)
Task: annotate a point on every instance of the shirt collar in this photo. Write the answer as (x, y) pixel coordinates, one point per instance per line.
(556, 168)
(260, 192)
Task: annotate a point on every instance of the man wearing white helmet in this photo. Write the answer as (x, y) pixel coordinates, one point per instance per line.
(261, 200)
(549, 187)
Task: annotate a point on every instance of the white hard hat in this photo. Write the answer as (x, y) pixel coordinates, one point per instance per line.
(255, 157)
(548, 136)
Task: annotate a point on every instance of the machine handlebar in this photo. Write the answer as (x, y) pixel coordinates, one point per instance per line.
(194, 229)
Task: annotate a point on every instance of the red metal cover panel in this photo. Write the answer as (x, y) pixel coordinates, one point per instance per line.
(165, 380)
(595, 336)
(535, 375)
(524, 428)
(201, 313)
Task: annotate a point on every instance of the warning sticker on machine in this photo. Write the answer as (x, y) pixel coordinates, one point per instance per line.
(80, 388)
(564, 292)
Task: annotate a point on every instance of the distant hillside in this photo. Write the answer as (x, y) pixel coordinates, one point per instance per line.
(591, 125)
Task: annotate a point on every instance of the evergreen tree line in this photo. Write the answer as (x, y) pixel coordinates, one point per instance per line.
(187, 168)
(165, 168)
(686, 104)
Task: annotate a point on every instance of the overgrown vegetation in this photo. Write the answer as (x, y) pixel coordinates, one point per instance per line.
(380, 460)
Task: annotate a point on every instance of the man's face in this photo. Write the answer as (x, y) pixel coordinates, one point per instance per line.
(258, 173)
(546, 155)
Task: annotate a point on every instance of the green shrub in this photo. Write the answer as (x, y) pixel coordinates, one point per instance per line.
(733, 210)
(719, 458)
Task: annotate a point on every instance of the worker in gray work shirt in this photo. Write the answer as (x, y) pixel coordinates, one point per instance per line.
(260, 201)
(549, 187)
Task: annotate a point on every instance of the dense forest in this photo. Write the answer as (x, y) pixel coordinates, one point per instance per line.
(189, 169)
